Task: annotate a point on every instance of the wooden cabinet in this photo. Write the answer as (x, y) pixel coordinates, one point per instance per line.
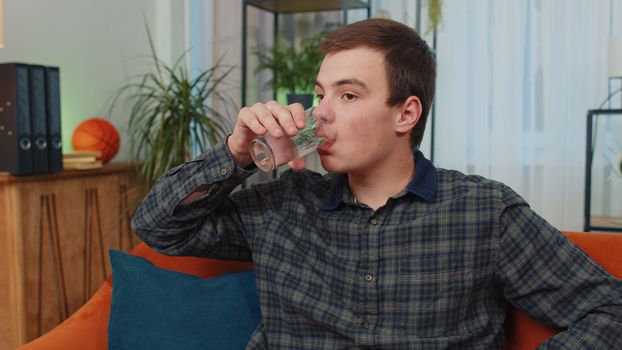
(55, 233)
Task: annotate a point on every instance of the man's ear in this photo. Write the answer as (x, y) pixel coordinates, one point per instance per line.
(409, 116)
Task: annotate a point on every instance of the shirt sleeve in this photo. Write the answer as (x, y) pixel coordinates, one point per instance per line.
(218, 224)
(547, 276)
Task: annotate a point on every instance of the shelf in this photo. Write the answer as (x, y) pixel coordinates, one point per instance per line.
(288, 7)
(292, 6)
(604, 223)
(111, 168)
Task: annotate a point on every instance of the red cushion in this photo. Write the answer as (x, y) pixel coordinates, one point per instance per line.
(201, 267)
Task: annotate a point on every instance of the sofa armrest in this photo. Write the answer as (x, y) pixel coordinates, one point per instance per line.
(522, 331)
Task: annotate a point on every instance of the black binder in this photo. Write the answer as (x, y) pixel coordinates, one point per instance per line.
(52, 99)
(38, 119)
(15, 128)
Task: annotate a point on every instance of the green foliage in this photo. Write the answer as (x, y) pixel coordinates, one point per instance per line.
(293, 71)
(435, 15)
(169, 113)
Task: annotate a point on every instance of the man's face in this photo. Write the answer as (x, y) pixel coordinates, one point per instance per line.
(353, 89)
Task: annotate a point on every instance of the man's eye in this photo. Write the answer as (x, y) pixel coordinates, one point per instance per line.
(349, 97)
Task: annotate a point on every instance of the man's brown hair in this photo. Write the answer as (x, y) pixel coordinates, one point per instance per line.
(409, 61)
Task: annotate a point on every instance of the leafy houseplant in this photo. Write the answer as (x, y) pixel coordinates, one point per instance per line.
(435, 15)
(170, 116)
(293, 71)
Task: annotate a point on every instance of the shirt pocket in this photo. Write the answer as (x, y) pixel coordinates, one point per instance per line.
(436, 302)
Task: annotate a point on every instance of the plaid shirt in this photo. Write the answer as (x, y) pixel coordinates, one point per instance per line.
(431, 269)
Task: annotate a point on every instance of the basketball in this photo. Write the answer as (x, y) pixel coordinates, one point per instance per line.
(96, 134)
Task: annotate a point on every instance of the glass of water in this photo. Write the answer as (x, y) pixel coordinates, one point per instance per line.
(269, 153)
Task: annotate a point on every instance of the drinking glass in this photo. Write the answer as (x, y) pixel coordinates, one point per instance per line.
(269, 153)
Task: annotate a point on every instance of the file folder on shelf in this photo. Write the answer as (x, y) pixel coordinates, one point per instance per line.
(38, 119)
(52, 101)
(15, 126)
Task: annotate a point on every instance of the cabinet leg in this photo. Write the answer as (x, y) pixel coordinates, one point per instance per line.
(125, 218)
(48, 215)
(92, 227)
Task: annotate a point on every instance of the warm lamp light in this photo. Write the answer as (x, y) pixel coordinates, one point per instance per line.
(1, 24)
(614, 62)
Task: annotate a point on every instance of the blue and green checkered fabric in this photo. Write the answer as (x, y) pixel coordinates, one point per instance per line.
(434, 268)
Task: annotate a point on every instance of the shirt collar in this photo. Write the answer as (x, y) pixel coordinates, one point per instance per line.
(422, 184)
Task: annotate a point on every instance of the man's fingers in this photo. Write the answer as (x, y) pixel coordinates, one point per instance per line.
(273, 118)
(266, 118)
(298, 113)
(298, 163)
(261, 119)
(284, 117)
(247, 119)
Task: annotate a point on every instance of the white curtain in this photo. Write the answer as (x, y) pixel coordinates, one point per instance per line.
(515, 81)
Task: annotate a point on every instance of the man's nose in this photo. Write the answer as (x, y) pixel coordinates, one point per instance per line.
(323, 112)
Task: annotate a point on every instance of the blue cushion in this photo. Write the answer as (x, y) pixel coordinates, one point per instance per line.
(153, 308)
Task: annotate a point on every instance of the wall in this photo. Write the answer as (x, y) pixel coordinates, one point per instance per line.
(97, 45)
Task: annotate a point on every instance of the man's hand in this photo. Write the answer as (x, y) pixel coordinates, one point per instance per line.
(260, 119)
(298, 163)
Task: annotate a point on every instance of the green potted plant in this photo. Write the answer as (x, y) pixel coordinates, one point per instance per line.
(169, 113)
(293, 70)
(435, 15)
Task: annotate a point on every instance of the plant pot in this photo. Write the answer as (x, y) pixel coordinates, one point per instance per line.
(305, 99)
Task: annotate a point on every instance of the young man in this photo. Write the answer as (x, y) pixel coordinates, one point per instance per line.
(385, 251)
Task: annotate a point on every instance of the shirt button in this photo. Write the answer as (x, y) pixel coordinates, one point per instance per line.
(365, 325)
(223, 171)
(369, 278)
(374, 221)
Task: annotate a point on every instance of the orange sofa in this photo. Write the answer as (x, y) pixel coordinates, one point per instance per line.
(87, 328)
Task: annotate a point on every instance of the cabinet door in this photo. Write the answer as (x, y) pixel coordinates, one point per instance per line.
(12, 303)
(68, 227)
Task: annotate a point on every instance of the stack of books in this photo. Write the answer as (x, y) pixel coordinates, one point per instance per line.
(82, 160)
